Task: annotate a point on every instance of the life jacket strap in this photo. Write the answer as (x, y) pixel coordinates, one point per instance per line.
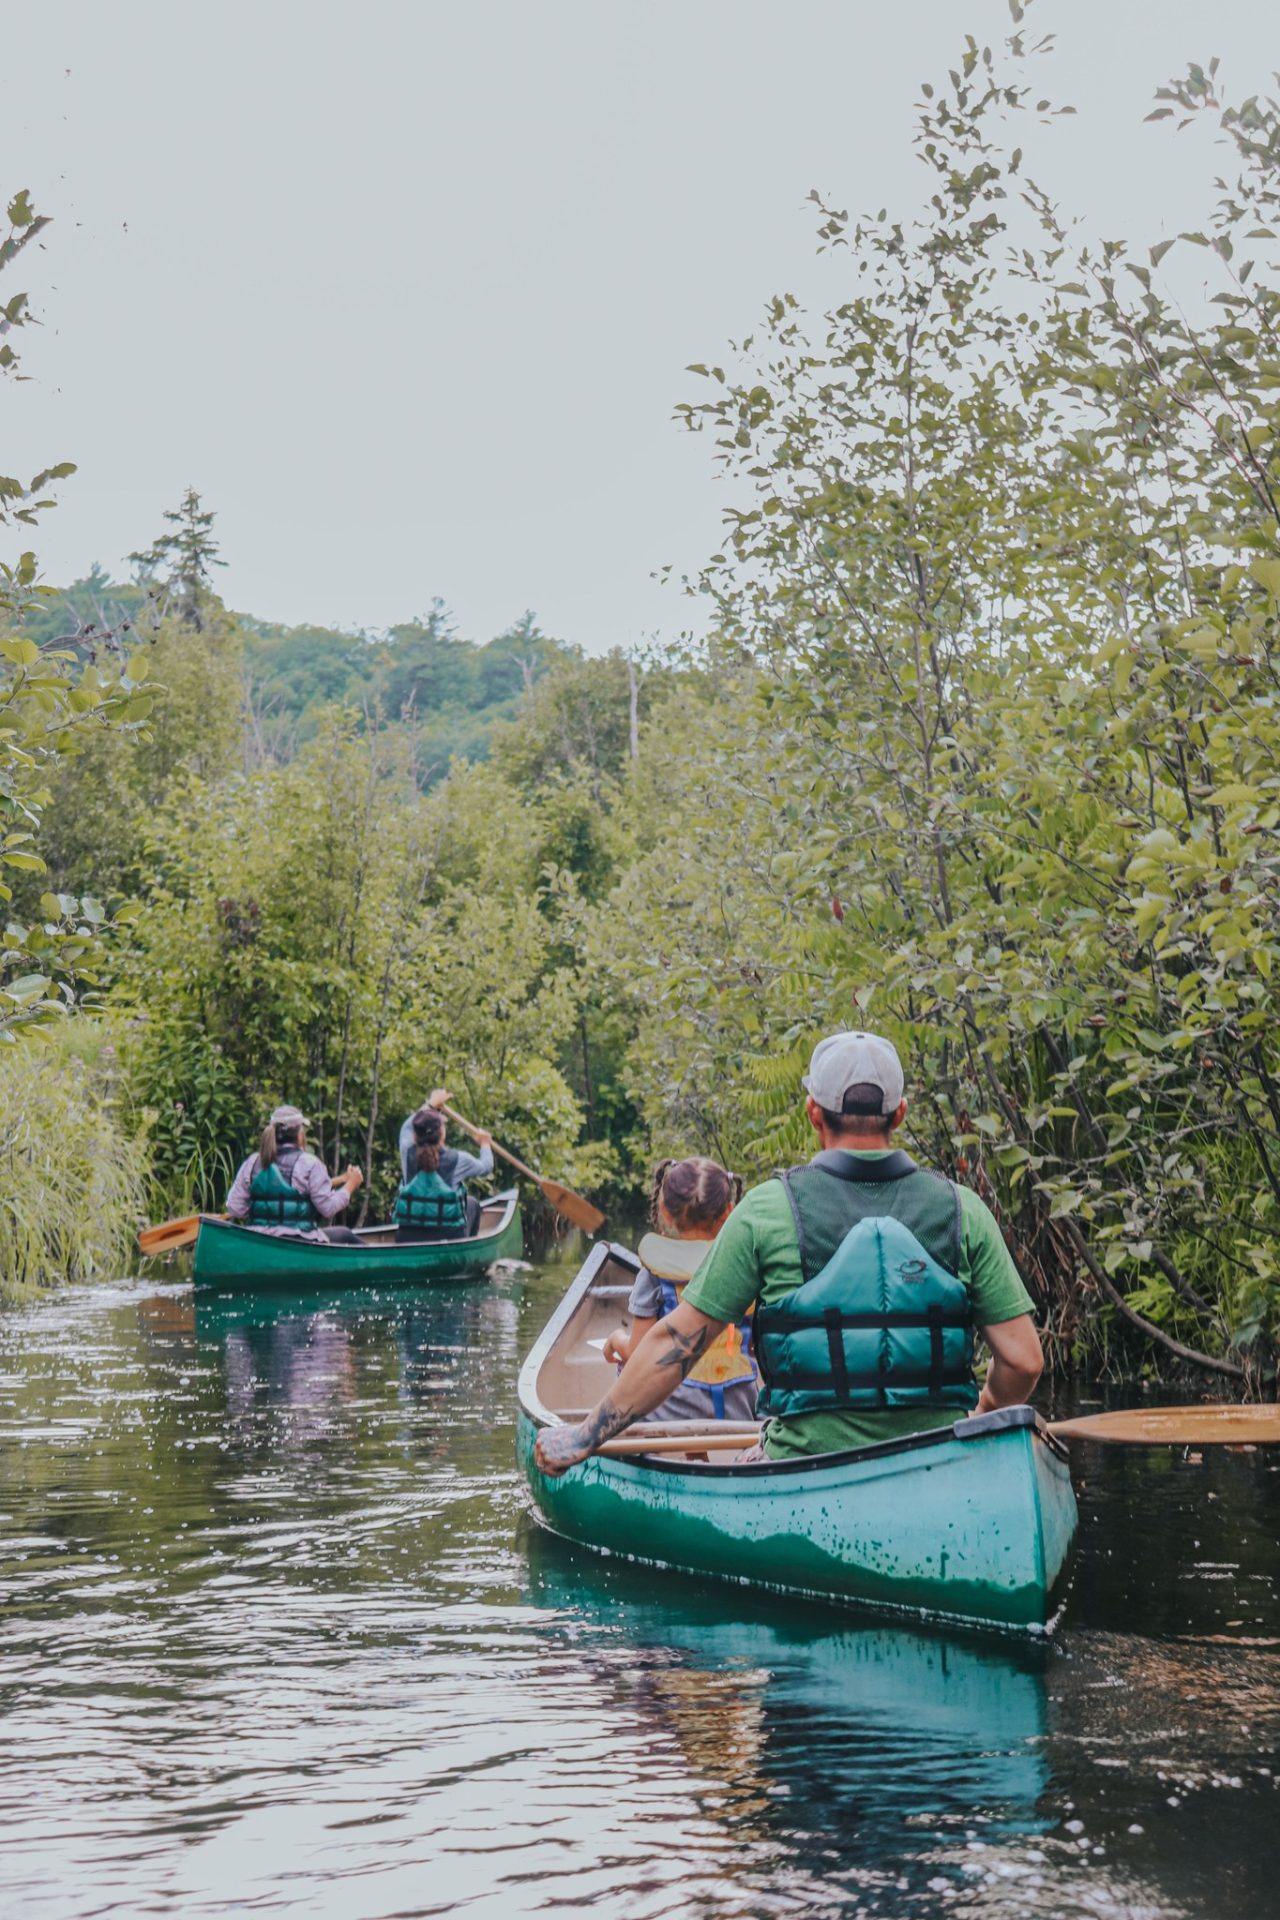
(833, 1320)
(936, 1324)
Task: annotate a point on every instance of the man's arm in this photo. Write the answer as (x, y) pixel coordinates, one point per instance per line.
(670, 1349)
(1016, 1363)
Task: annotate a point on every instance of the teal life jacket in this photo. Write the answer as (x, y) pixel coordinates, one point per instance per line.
(429, 1204)
(275, 1202)
(881, 1317)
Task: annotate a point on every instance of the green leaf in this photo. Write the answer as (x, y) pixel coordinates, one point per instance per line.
(29, 987)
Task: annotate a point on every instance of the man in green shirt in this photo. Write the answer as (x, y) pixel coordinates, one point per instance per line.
(869, 1277)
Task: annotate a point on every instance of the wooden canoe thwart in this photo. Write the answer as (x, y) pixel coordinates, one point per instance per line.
(972, 1521)
(233, 1256)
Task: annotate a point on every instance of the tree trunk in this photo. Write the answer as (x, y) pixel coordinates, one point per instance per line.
(373, 1090)
(588, 1096)
(633, 706)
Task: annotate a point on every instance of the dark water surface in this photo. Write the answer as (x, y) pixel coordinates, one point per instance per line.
(277, 1636)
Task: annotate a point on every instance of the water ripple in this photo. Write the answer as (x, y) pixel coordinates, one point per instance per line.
(277, 1636)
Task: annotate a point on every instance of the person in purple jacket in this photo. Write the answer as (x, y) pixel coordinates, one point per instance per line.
(284, 1189)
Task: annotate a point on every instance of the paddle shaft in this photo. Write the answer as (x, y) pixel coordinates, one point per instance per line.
(572, 1205)
(1213, 1425)
(510, 1157)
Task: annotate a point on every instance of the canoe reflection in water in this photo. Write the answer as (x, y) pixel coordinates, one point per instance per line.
(319, 1358)
(805, 1726)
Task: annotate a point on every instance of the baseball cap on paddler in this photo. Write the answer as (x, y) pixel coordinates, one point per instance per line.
(862, 1066)
(288, 1117)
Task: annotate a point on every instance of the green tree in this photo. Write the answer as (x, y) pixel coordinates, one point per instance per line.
(1000, 589)
(53, 697)
(177, 568)
(103, 798)
(324, 932)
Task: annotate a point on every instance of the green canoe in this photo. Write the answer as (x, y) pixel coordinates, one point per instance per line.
(231, 1256)
(972, 1521)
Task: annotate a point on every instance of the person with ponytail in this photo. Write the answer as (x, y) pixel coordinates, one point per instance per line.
(284, 1189)
(689, 1203)
(431, 1203)
(456, 1165)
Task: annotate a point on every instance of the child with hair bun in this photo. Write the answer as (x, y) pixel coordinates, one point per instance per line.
(689, 1203)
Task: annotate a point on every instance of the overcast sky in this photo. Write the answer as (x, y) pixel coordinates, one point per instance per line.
(406, 289)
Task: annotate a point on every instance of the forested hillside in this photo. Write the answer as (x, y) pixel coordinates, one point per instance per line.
(449, 692)
(982, 750)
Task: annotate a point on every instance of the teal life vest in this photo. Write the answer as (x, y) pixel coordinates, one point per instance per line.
(275, 1202)
(429, 1204)
(881, 1317)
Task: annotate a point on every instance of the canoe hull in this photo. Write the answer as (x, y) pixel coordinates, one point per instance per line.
(976, 1529)
(229, 1256)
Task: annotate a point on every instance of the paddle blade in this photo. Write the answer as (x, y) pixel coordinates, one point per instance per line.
(172, 1235)
(1206, 1426)
(573, 1206)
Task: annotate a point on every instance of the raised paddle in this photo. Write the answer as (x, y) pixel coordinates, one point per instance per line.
(563, 1199)
(1207, 1426)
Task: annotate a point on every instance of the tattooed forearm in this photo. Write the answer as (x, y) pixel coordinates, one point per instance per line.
(604, 1421)
(684, 1350)
(644, 1383)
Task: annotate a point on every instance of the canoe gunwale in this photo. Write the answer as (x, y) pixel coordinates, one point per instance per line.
(969, 1427)
(566, 1307)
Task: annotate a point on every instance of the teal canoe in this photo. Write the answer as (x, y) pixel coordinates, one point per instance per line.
(969, 1522)
(232, 1256)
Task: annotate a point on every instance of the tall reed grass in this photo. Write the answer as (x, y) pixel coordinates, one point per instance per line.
(72, 1180)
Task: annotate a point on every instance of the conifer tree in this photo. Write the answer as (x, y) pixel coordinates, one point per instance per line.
(177, 566)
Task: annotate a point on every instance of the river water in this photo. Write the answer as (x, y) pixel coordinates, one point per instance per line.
(278, 1636)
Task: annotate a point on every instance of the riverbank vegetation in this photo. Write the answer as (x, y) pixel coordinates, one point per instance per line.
(981, 749)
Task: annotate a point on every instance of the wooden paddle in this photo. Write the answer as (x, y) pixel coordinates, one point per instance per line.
(172, 1235)
(563, 1199)
(1207, 1426)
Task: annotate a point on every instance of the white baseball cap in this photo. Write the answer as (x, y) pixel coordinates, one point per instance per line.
(845, 1060)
